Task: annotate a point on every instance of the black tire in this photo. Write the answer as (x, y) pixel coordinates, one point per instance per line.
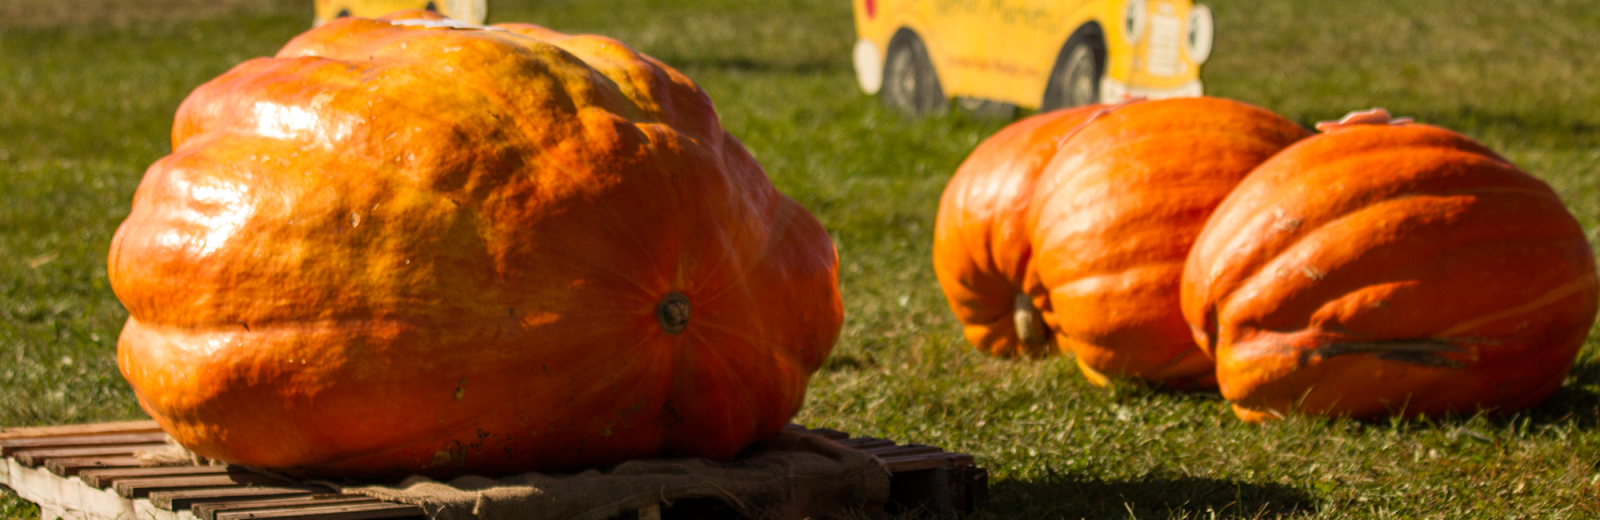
(1075, 79)
(909, 82)
(978, 108)
(343, 13)
(431, 7)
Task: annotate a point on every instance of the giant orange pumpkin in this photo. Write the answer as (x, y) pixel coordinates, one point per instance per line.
(981, 252)
(1384, 269)
(404, 247)
(1112, 219)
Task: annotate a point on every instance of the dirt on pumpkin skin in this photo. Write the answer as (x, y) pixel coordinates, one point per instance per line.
(52, 13)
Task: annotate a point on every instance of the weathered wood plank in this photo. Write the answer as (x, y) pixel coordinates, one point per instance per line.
(141, 487)
(71, 467)
(10, 446)
(173, 491)
(209, 510)
(865, 443)
(103, 478)
(70, 497)
(381, 510)
(903, 451)
(929, 461)
(184, 499)
(829, 434)
(33, 458)
(67, 430)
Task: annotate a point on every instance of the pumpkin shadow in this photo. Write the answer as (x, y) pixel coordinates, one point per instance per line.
(1067, 496)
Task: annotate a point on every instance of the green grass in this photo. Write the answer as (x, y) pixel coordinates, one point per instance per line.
(86, 106)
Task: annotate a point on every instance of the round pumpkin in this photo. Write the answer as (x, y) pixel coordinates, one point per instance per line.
(407, 246)
(1389, 269)
(981, 252)
(1112, 220)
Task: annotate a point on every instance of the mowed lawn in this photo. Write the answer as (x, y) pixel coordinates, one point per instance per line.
(87, 97)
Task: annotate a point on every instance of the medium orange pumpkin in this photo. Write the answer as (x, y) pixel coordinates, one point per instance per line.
(981, 252)
(1389, 269)
(399, 247)
(1112, 219)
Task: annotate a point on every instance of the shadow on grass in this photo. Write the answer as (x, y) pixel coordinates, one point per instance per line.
(1151, 497)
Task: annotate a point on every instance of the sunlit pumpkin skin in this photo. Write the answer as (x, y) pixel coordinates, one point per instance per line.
(981, 252)
(1389, 270)
(398, 249)
(1112, 220)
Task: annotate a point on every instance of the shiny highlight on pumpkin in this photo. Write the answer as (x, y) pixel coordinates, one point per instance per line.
(1385, 268)
(400, 248)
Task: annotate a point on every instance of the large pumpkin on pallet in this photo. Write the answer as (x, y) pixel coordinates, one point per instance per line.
(1382, 269)
(981, 252)
(404, 247)
(1112, 219)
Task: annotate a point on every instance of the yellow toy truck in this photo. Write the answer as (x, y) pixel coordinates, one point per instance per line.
(470, 11)
(1037, 54)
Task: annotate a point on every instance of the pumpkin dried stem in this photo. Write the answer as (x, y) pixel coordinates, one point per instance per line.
(673, 313)
(1029, 322)
(1371, 116)
(1420, 352)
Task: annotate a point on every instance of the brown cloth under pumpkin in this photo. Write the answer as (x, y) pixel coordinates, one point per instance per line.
(790, 476)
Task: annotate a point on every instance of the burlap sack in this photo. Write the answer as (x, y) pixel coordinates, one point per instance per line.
(791, 476)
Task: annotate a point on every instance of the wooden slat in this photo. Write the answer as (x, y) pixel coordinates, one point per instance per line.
(209, 510)
(34, 457)
(381, 510)
(141, 487)
(903, 451)
(865, 443)
(70, 467)
(72, 430)
(930, 461)
(10, 446)
(99, 454)
(829, 433)
(104, 478)
(185, 499)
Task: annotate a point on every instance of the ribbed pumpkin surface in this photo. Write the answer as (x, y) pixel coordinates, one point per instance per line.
(1390, 269)
(981, 252)
(397, 247)
(1112, 220)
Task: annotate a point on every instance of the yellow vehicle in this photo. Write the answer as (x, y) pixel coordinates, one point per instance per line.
(469, 11)
(1043, 54)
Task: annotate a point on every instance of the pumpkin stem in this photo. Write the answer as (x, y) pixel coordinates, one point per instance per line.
(673, 313)
(1029, 322)
(1371, 116)
(1424, 352)
(1102, 112)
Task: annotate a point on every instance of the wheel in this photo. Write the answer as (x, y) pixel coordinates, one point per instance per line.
(986, 109)
(909, 82)
(1075, 80)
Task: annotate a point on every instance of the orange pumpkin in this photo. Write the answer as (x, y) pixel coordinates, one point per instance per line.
(400, 247)
(1112, 219)
(1389, 269)
(981, 252)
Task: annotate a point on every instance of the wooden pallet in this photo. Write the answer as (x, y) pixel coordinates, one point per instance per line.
(90, 472)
